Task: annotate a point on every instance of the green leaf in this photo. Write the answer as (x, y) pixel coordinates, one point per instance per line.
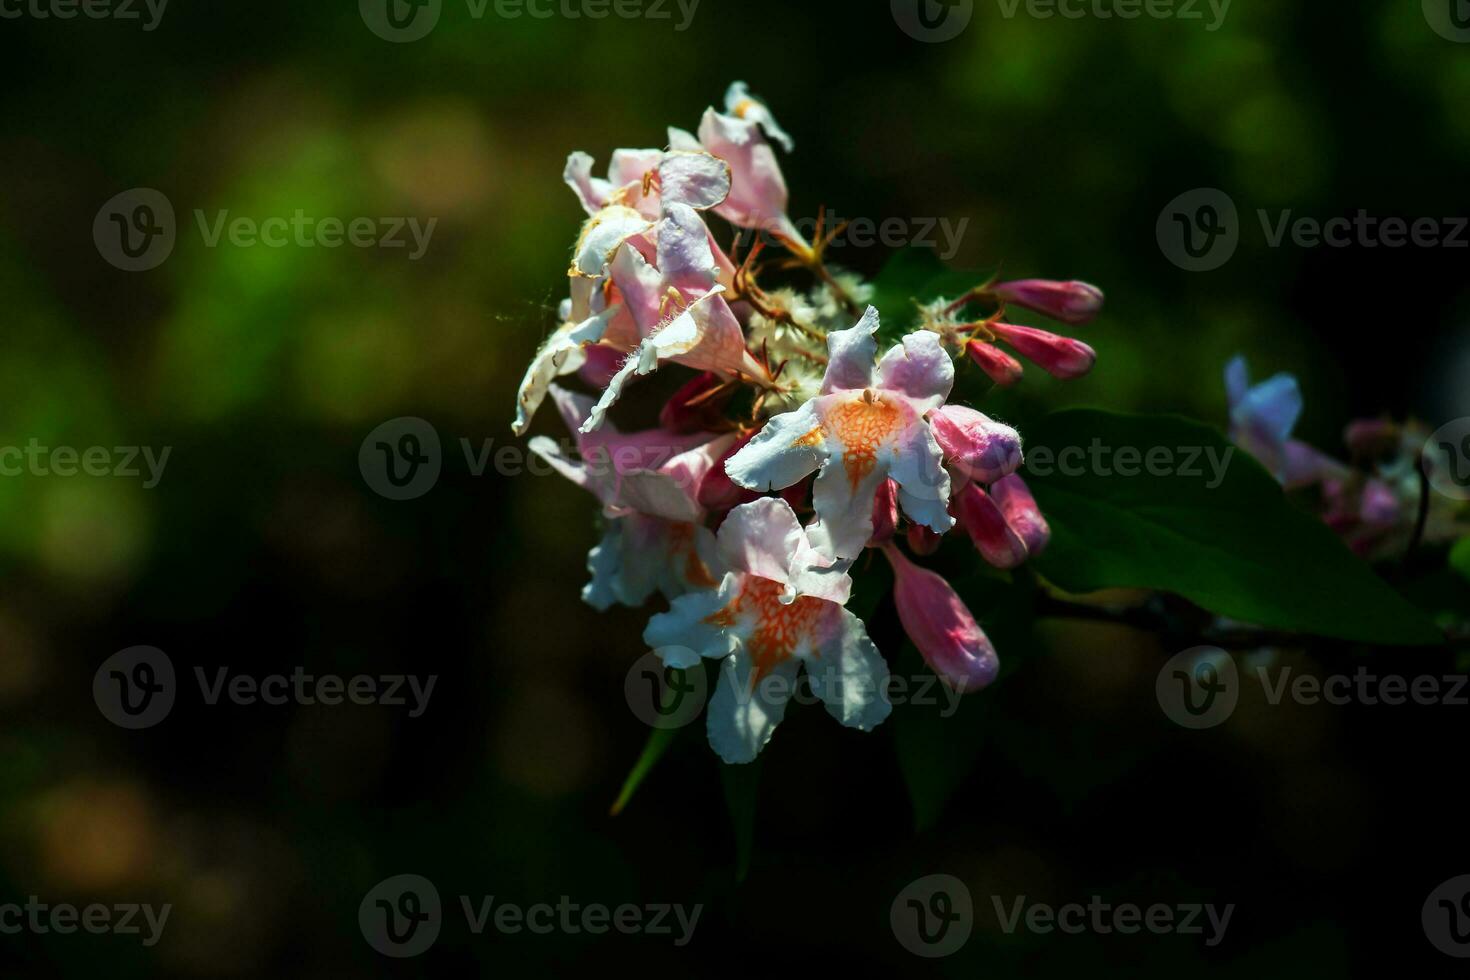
(1460, 558)
(1223, 536)
(658, 743)
(742, 784)
(938, 745)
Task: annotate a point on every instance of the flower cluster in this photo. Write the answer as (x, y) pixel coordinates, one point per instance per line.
(796, 445)
(1379, 503)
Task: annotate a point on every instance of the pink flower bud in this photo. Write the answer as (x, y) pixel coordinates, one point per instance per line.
(996, 541)
(1021, 513)
(706, 414)
(717, 492)
(937, 620)
(1069, 302)
(1003, 369)
(923, 541)
(975, 444)
(1062, 357)
(885, 513)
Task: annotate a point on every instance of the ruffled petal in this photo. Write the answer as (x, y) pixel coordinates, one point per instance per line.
(740, 104)
(591, 191)
(602, 235)
(851, 354)
(743, 714)
(561, 354)
(923, 483)
(789, 448)
(695, 180)
(688, 630)
(685, 258)
(844, 499)
(760, 538)
(849, 675)
(920, 369)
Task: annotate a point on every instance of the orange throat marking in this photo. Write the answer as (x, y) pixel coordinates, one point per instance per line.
(778, 628)
(862, 426)
(682, 547)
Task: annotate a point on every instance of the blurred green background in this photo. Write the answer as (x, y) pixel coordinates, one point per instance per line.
(263, 549)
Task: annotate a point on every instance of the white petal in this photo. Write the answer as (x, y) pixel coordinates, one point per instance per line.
(851, 353)
(591, 191)
(741, 718)
(686, 627)
(782, 453)
(919, 368)
(851, 676)
(695, 179)
(602, 235)
(605, 562)
(923, 483)
(760, 537)
(739, 102)
(561, 354)
(845, 507)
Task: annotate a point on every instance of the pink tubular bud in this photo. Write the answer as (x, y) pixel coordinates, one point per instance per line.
(717, 492)
(937, 620)
(885, 513)
(1070, 302)
(983, 520)
(923, 541)
(1061, 357)
(975, 444)
(1003, 369)
(1021, 513)
(706, 414)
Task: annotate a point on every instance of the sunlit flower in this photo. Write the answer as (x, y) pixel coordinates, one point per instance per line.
(646, 482)
(779, 607)
(866, 426)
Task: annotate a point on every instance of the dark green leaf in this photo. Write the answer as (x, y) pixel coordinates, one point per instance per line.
(658, 743)
(1228, 541)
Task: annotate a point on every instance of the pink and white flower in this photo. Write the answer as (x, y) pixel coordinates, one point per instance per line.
(868, 424)
(779, 609)
(646, 482)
